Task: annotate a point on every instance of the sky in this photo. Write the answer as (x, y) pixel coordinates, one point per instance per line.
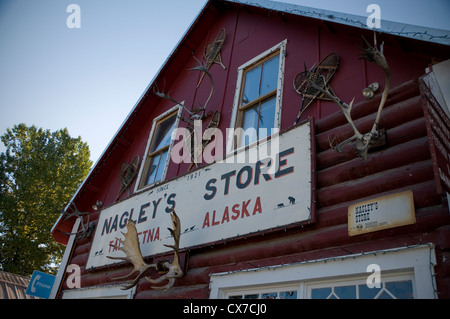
(88, 79)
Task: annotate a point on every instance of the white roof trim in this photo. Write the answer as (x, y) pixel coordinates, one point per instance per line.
(390, 27)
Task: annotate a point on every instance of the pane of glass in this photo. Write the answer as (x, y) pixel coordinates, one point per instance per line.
(152, 169)
(400, 289)
(288, 295)
(368, 293)
(161, 166)
(320, 293)
(270, 75)
(250, 123)
(269, 295)
(345, 292)
(251, 86)
(252, 296)
(266, 118)
(163, 133)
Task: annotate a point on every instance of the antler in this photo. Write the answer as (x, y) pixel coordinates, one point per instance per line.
(372, 54)
(168, 97)
(363, 141)
(195, 113)
(86, 228)
(202, 68)
(130, 246)
(174, 269)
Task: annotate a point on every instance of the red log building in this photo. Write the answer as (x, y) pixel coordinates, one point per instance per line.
(304, 222)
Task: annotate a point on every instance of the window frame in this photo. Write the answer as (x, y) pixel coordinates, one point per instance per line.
(140, 185)
(238, 110)
(394, 263)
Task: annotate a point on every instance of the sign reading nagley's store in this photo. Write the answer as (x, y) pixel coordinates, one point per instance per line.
(227, 199)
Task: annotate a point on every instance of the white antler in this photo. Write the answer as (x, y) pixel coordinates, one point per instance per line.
(130, 246)
(174, 268)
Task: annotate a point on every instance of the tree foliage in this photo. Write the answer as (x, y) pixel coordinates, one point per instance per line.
(39, 173)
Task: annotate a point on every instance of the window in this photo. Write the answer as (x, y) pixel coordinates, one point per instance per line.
(391, 287)
(406, 273)
(257, 104)
(158, 149)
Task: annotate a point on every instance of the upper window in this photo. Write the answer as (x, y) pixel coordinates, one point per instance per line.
(257, 107)
(257, 104)
(158, 149)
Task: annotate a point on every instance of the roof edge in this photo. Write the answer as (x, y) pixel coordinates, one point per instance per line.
(421, 33)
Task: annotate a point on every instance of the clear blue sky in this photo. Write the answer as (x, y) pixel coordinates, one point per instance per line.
(89, 79)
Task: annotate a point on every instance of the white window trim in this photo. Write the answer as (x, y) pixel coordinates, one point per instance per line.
(105, 292)
(280, 84)
(419, 259)
(177, 109)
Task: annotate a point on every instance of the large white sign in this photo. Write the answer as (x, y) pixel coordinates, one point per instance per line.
(228, 199)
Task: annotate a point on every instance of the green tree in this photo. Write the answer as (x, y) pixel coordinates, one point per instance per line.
(39, 173)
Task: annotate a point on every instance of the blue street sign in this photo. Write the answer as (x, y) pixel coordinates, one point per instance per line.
(40, 285)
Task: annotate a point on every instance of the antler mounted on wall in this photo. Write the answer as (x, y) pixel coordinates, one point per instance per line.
(362, 141)
(195, 113)
(130, 246)
(198, 113)
(86, 227)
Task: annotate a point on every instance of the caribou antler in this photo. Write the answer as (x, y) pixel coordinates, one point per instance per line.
(86, 228)
(203, 68)
(372, 54)
(195, 113)
(130, 246)
(165, 96)
(363, 141)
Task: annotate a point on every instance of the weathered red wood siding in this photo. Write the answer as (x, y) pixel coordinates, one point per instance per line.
(341, 178)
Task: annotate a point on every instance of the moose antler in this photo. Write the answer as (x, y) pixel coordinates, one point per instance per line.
(363, 141)
(174, 268)
(130, 246)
